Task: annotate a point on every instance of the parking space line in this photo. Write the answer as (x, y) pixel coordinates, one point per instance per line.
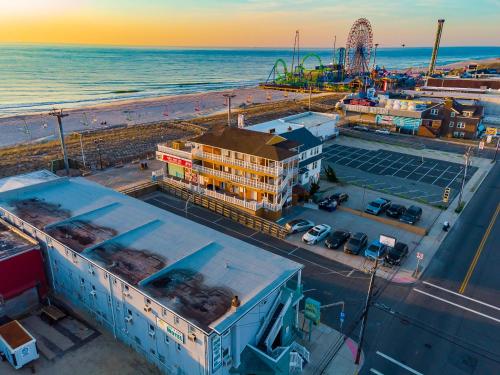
(390, 165)
(402, 365)
(408, 162)
(358, 157)
(376, 372)
(433, 182)
(379, 162)
(454, 178)
(430, 169)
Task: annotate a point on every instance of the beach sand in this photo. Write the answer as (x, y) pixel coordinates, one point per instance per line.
(13, 130)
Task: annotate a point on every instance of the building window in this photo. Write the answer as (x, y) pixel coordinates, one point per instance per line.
(167, 340)
(460, 125)
(459, 134)
(451, 124)
(452, 114)
(164, 311)
(434, 112)
(315, 165)
(176, 320)
(467, 113)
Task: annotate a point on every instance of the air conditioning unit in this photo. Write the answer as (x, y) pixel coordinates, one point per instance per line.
(192, 337)
(128, 319)
(147, 308)
(93, 293)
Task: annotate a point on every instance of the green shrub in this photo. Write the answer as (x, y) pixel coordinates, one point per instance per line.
(330, 174)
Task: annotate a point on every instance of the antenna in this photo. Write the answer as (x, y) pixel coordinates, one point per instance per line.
(59, 115)
(334, 49)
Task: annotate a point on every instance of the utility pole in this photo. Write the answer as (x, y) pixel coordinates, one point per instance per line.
(59, 115)
(467, 157)
(229, 96)
(435, 50)
(310, 94)
(97, 143)
(365, 312)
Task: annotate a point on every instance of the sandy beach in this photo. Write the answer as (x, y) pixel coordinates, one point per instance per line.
(18, 129)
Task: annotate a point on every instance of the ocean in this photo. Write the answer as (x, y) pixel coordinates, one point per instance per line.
(36, 78)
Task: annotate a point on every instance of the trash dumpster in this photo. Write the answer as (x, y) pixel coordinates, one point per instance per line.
(17, 344)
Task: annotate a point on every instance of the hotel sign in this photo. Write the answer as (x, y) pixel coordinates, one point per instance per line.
(171, 331)
(178, 161)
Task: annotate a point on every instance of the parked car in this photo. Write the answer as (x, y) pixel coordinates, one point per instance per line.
(337, 239)
(395, 210)
(298, 225)
(356, 243)
(361, 127)
(375, 250)
(340, 197)
(396, 254)
(316, 234)
(378, 206)
(327, 204)
(383, 131)
(412, 215)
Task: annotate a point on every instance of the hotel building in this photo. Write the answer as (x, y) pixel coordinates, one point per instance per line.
(252, 170)
(188, 298)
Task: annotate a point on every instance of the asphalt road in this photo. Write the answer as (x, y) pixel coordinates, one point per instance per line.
(435, 329)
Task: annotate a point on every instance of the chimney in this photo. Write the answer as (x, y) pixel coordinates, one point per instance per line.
(235, 302)
(448, 103)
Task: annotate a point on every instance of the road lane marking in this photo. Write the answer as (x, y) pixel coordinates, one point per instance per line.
(376, 372)
(472, 266)
(402, 365)
(461, 295)
(457, 305)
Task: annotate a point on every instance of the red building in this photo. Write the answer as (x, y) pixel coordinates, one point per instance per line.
(22, 275)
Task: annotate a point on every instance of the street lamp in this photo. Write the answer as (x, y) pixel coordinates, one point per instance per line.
(229, 96)
(467, 160)
(59, 115)
(83, 154)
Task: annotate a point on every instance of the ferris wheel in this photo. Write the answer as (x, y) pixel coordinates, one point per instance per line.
(358, 47)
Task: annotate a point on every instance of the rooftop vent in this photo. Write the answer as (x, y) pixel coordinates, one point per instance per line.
(272, 131)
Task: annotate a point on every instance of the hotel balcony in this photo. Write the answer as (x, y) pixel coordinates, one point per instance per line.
(248, 204)
(274, 170)
(378, 110)
(244, 180)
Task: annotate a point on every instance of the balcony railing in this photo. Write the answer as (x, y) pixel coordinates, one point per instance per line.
(242, 179)
(251, 205)
(240, 163)
(175, 152)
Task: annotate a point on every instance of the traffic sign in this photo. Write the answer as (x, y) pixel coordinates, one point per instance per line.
(342, 316)
(420, 256)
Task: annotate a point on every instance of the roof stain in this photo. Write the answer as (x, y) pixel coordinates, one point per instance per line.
(38, 212)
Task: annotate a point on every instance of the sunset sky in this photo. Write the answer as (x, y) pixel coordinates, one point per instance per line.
(245, 23)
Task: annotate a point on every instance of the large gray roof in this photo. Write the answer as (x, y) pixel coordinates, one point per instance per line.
(149, 247)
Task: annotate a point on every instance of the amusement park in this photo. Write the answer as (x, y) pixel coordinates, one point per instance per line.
(351, 68)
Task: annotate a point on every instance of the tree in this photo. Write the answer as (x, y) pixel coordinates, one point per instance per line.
(330, 174)
(313, 188)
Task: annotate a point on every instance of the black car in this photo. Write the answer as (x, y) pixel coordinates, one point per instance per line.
(396, 254)
(340, 197)
(412, 215)
(337, 238)
(395, 210)
(356, 244)
(327, 204)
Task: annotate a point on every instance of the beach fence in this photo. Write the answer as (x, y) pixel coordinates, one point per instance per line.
(227, 210)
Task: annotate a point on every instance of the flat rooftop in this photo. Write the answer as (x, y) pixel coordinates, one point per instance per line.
(286, 124)
(28, 179)
(12, 243)
(190, 269)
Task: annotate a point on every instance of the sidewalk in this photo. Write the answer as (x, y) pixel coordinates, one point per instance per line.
(323, 344)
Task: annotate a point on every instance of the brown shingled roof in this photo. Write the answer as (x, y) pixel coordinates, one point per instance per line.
(269, 146)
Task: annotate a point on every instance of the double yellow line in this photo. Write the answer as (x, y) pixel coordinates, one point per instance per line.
(478, 252)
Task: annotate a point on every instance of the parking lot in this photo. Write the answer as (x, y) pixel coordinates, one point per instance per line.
(413, 177)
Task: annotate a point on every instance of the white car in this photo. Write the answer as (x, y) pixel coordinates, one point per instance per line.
(383, 131)
(298, 225)
(316, 234)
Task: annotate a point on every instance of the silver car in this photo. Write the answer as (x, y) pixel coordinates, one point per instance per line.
(316, 234)
(298, 225)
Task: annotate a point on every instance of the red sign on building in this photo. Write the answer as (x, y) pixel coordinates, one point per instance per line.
(178, 161)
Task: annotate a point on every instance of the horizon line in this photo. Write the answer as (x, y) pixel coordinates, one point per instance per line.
(145, 46)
